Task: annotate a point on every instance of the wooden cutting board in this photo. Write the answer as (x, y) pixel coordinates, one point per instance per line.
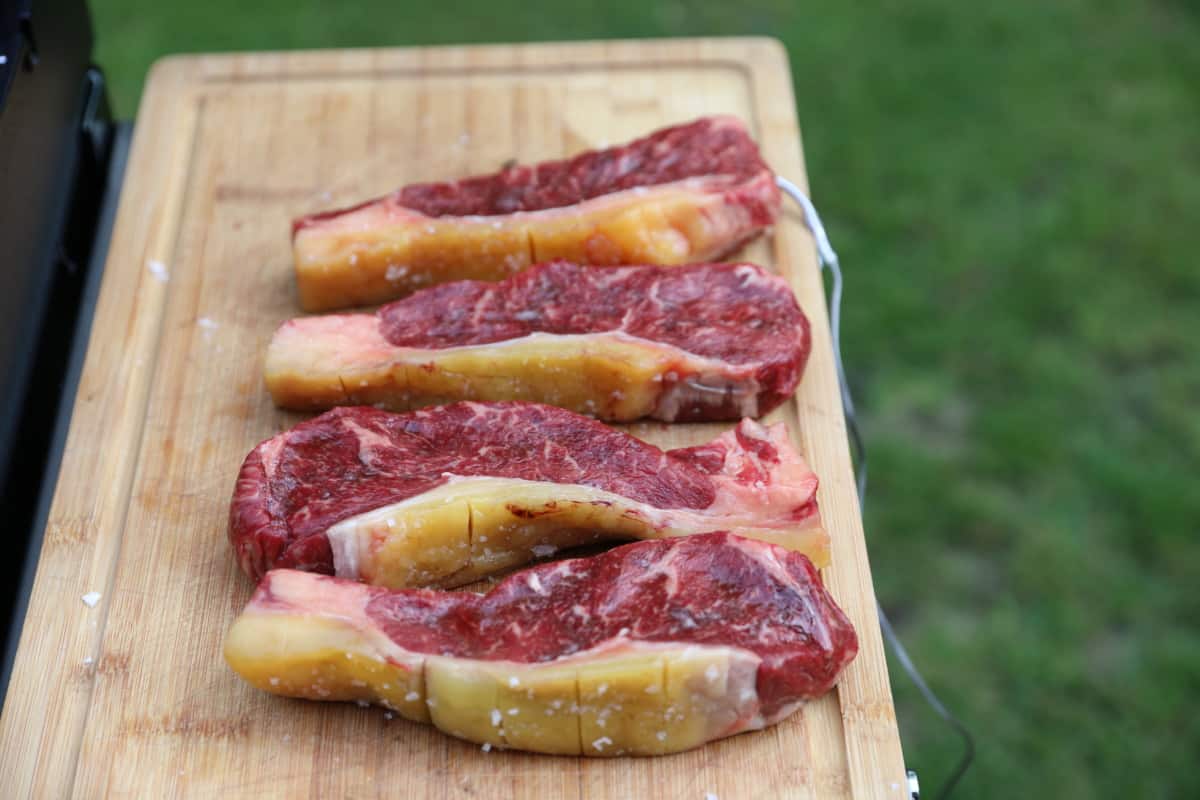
(131, 697)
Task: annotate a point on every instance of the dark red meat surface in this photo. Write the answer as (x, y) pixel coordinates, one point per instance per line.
(730, 312)
(347, 461)
(706, 147)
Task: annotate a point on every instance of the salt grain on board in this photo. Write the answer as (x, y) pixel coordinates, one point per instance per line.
(90, 599)
(158, 269)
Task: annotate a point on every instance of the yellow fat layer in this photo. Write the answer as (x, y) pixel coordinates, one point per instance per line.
(607, 376)
(640, 700)
(466, 530)
(471, 528)
(320, 659)
(370, 256)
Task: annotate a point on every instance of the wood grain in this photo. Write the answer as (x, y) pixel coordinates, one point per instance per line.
(131, 698)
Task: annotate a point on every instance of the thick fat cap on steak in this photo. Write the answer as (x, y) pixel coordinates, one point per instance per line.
(716, 148)
(293, 487)
(728, 312)
(709, 589)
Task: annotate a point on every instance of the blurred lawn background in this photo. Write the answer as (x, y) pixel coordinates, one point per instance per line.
(1014, 189)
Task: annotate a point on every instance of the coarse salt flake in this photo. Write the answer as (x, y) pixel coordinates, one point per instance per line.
(497, 717)
(90, 599)
(158, 269)
(486, 747)
(514, 681)
(412, 697)
(601, 743)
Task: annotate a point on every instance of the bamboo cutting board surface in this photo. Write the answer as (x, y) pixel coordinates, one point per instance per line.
(131, 698)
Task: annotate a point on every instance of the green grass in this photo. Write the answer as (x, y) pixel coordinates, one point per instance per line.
(1014, 189)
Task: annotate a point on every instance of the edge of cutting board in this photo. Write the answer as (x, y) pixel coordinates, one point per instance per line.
(44, 746)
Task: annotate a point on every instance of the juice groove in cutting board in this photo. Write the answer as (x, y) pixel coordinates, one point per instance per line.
(132, 698)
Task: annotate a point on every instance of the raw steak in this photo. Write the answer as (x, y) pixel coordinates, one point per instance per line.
(450, 494)
(687, 343)
(689, 193)
(653, 647)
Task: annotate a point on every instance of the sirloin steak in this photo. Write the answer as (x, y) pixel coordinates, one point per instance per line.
(450, 494)
(687, 343)
(649, 648)
(689, 193)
